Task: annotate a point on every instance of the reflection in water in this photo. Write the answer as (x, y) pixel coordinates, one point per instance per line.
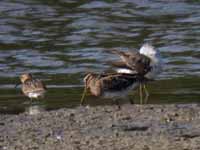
(34, 109)
(59, 41)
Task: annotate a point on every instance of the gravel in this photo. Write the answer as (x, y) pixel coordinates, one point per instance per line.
(138, 127)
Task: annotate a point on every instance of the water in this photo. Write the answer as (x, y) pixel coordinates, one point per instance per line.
(60, 40)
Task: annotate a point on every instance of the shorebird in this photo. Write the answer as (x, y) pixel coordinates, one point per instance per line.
(33, 88)
(146, 62)
(116, 85)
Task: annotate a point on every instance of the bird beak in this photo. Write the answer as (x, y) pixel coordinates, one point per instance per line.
(17, 85)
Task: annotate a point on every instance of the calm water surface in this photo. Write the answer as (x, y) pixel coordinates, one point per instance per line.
(60, 40)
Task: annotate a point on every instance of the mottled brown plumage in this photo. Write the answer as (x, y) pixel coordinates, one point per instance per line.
(136, 62)
(116, 85)
(146, 63)
(33, 88)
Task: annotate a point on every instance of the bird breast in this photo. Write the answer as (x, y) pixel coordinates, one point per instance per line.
(33, 88)
(95, 87)
(35, 94)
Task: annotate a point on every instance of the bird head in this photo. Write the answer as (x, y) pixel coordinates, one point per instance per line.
(25, 77)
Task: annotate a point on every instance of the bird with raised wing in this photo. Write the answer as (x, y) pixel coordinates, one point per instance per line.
(146, 62)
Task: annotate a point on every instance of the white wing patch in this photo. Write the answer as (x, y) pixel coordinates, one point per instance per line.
(123, 70)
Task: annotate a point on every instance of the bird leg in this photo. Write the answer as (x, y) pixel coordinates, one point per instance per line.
(83, 95)
(146, 93)
(117, 103)
(131, 100)
(141, 96)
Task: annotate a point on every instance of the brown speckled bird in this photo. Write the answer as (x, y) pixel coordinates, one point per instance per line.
(146, 62)
(134, 62)
(33, 88)
(116, 85)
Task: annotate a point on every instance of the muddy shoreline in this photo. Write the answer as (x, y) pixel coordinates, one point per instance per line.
(147, 127)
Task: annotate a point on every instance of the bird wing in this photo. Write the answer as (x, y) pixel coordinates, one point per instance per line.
(133, 60)
(33, 86)
(119, 64)
(127, 57)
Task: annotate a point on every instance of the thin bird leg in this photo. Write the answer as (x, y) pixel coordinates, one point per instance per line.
(141, 96)
(83, 95)
(131, 100)
(117, 103)
(146, 93)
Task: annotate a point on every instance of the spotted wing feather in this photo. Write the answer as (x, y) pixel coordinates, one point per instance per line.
(134, 61)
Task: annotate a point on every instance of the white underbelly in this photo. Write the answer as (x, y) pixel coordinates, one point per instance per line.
(155, 71)
(35, 94)
(123, 70)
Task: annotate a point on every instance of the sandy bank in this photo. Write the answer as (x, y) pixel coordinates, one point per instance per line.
(149, 127)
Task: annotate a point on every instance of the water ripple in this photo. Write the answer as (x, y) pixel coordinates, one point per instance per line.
(68, 38)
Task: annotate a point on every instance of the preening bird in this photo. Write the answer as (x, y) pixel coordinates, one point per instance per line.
(33, 88)
(146, 62)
